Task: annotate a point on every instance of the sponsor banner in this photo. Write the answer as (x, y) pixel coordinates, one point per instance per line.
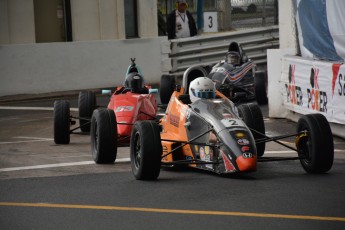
(311, 86)
(321, 28)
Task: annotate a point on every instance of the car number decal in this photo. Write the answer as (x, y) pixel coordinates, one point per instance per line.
(232, 122)
(124, 109)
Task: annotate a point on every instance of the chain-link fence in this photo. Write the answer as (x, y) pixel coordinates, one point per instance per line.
(254, 13)
(232, 14)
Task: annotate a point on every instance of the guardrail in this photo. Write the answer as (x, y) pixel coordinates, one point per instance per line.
(210, 49)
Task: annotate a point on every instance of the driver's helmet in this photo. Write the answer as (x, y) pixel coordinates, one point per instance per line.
(202, 87)
(134, 81)
(233, 58)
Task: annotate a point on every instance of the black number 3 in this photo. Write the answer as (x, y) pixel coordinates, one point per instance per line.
(210, 25)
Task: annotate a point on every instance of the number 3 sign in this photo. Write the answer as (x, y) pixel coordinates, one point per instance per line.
(210, 22)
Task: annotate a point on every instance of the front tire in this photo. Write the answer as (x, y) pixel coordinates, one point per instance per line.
(166, 88)
(62, 122)
(315, 146)
(261, 89)
(251, 115)
(86, 104)
(145, 150)
(103, 136)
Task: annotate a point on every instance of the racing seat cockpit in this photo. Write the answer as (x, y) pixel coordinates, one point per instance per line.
(134, 80)
(189, 75)
(236, 47)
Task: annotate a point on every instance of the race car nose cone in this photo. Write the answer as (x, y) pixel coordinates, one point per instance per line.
(246, 164)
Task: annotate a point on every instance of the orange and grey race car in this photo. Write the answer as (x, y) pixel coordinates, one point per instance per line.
(216, 135)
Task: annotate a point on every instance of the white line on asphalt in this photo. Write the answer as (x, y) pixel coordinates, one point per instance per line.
(92, 162)
(291, 151)
(283, 151)
(16, 142)
(34, 139)
(32, 108)
(339, 142)
(57, 165)
(9, 119)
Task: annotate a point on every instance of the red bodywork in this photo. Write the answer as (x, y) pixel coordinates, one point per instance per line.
(131, 107)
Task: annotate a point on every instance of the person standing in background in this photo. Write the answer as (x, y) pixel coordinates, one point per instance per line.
(180, 22)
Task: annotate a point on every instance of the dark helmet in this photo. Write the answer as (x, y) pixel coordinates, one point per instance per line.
(236, 47)
(134, 81)
(233, 58)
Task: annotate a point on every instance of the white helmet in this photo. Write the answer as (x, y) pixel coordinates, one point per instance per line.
(202, 87)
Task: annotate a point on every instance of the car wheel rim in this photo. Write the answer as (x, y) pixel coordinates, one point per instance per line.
(304, 148)
(137, 151)
(95, 146)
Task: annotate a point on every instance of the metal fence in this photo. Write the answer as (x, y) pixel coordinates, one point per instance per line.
(253, 13)
(232, 14)
(210, 49)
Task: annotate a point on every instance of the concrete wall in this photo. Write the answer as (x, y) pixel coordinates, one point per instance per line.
(147, 18)
(54, 67)
(97, 57)
(288, 45)
(97, 20)
(17, 21)
(287, 28)
(91, 20)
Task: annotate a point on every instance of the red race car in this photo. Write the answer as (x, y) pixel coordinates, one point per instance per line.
(112, 126)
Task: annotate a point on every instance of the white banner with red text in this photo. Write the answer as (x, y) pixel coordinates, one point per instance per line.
(313, 86)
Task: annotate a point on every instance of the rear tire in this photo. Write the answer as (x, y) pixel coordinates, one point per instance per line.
(86, 104)
(315, 149)
(261, 89)
(166, 88)
(251, 115)
(146, 150)
(62, 122)
(103, 136)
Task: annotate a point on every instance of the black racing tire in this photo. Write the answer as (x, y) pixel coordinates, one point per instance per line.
(86, 105)
(103, 136)
(261, 88)
(146, 150)
(62, 122)
(315, 148)
(251, 115)
(166, 88)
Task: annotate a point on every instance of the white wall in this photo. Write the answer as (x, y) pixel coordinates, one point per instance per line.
(4, 29)
(287, 29)
(17, 21)
(288, 45)
(95, 59)
(103, 20)
(147, 18)
(54, 67)
(98, 20)
(91, 20)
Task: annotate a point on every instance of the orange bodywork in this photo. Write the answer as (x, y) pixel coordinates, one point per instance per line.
(173, 126)
(246, 164)
(173, 129)
(174, 135)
